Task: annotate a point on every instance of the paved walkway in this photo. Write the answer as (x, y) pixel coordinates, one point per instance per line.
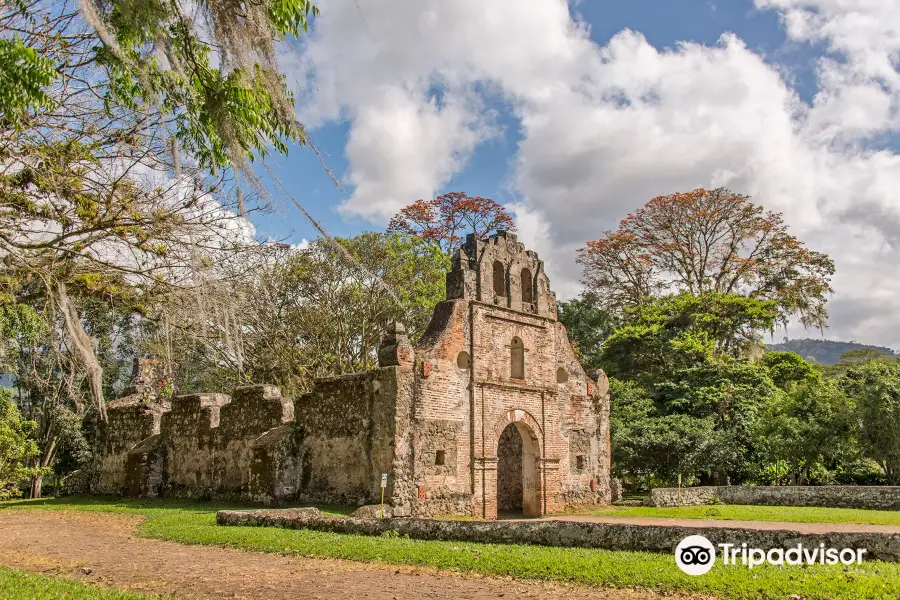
(729, 524)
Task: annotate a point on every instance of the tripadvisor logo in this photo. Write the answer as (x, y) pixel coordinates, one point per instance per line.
(696, 555)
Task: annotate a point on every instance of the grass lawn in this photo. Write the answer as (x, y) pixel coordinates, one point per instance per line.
(792, 514)
(21, 585)
(195, 524)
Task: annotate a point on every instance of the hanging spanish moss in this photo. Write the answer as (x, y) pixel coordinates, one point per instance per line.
(240, 201)
(84, 348)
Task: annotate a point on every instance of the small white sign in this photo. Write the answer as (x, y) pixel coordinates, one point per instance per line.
(384, 480)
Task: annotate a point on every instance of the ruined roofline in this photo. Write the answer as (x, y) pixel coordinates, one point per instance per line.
(500, 271)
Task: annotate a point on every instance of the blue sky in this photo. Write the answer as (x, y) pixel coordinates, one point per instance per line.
(794, 102)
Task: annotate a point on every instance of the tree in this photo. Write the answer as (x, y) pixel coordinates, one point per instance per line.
(707, 241)
(811, 424)
(446, 219)
(17, 449)
(875, 387)
(647, 442)
(683, 351)
(299, 314)
(156, 53)
(94, 202)
(588, 327)
(663, 335)
(855, 358)
(57, 394)
(788, 370)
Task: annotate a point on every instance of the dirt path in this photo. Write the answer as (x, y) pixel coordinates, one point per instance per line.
(735, 524)
(103, 549)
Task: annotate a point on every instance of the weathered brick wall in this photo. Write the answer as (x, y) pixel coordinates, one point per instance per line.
(249, 445)
(190, 441)
(440, 415)
(562, 414)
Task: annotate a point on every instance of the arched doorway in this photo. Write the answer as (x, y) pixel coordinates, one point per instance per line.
(517, 477)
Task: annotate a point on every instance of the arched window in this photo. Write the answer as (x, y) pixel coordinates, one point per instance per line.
(517, 359)
(527, 287)
(562, 375)
(499, 279)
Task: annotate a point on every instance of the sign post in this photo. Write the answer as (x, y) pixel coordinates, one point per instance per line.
(383, 486)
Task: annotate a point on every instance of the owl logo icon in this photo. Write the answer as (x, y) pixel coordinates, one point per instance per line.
(695, 555)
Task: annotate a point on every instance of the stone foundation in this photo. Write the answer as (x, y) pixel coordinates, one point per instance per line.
(648, 538)
(826, 496)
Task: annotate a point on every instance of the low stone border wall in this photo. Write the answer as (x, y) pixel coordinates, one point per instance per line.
(570, 534)
(828, 496)
(664, 497)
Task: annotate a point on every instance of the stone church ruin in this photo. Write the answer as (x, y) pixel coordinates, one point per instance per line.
(490, 413)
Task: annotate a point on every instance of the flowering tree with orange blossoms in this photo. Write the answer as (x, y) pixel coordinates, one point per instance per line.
(707, 241)
(446, 220)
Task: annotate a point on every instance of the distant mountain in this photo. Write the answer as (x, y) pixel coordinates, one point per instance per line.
(826, 352)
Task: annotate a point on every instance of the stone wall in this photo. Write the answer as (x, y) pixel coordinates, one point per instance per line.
(250, 446)
(837, 496)
(194, 446)
(610, 536)
(693, 496)
(130, 421)
(341, 442)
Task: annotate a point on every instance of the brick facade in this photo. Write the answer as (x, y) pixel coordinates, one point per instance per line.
(518, 368)
(494, 356)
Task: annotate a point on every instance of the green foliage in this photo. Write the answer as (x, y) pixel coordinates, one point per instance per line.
(225, 109)
(673, 332)
(25, 75)
(291, 17)
(17, 449)
(694, 402)
(588, 326)
(665, 445)
(20, 325)
(222, 116)
(788, 369)
(411, 268)
(875, 387)
(810, 425)
(316, 312)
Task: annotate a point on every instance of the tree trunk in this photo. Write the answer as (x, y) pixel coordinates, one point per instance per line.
(36, 486)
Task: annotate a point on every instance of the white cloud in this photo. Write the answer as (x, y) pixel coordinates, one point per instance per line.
(404, 146)
(859, 82)
(607, 127)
